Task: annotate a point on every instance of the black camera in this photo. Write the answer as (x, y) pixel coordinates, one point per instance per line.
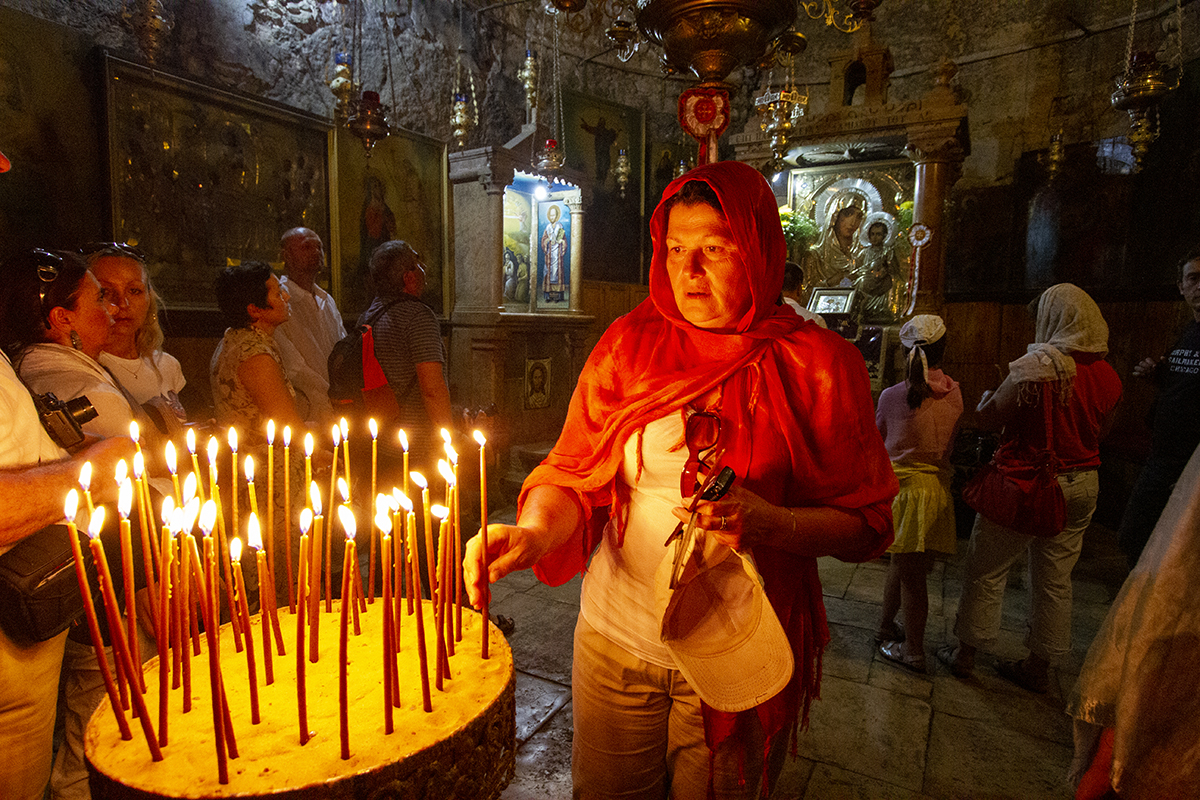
(64, 421)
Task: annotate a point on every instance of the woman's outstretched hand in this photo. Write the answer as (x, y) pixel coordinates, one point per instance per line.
(510, 548)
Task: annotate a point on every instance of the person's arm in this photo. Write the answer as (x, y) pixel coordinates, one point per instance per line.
(548, 518)
(435, 394)
(995, 408)
(263, 379)
(32, 497)
(742, 520)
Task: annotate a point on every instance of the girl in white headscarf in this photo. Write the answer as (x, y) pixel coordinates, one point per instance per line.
(1064, 368)
(918, 420)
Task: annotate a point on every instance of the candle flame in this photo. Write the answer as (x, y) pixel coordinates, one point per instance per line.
(439, 511)
(254, 532)
(394, 500)
(71, 505)
(314, 498)
(125, 498)
(336, 433)
(134, 431)
(122, 471)
(403, 437)
(419, 480)
(189, 487)
(345, 428)
(85, 476)
(233, 438)
(306, 516)
(479, 437)
(405, 503)
(208, 517)
(287, 435)
(346, 516)
(213, 446)
(249, 469)
(308, 445)
(177, 521)
(190, 512)
(96, 523)
(139, 465)
(383, 503)
(168, 506)
(271, 432)
(171, 464)
(235, 549)
(383, 521)
(451, 453)
(191, 440)
(344, 490)
(374, 428)
(445, 435)
(447, 473)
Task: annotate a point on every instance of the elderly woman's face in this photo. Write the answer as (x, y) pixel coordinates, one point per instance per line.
(707, 275)
(125, 286)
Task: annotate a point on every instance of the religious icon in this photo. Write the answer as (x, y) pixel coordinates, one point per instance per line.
(877, 272)
(518, 226)
(554, 247)
(537, 383)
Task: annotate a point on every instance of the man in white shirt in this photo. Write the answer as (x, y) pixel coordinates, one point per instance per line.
(307, 339)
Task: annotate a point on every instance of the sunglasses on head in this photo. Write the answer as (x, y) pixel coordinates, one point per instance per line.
(112, 249)
(48, 266)
(700, 433)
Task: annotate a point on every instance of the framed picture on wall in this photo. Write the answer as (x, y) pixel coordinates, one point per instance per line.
(401, 192)
(595, 132)
(552, 245)
(200, 177)
(537, 383)
(518, 248)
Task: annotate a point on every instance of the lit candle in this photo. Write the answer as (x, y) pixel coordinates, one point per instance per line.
(233, 487)
(150, 552)
(191, 446)
(213, 446)
(69, 508)
(249, 467)
(403, 437)
(384, 523)
(399, 556)
(336, 433)
(172, 466)
(181, 601)
(314, 577)
(222, 551)
(120, 645)
(455, 563)
(439, 607)
(270, 539)
(374, 428)
(162, 631)
(483, 530)
(243, 608)
(308, 451)
(124, 506)
(306, 517)
(345, 428)
(287, 514)
(410, 524)
(446, 535)
(210, 605)
(254, 539)
(85, 483)
(347, 519)
(136, 435)
(356, 578)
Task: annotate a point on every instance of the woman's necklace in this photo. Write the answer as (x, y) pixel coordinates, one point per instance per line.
(130, 366)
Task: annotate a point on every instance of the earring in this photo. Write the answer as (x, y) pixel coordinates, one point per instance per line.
(76, 342)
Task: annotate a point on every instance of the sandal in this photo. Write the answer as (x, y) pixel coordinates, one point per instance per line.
(890, 633)
(894, 652)
(1017, 672)
(948, 655)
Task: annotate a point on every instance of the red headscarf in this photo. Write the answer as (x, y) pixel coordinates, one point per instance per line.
(797, 420)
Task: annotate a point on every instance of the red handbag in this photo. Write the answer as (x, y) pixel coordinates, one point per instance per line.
(1022, 496)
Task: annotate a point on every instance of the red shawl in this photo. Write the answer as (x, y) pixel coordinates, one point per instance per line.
(793, 393)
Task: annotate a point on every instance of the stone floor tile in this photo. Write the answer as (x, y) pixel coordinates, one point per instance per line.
(832, 783)
(544, 762)
(891, 678)
(872, 731)
(848, 654)
(992, 700)
(972, 759)
(567, 593)
(853, 612)
(835, 576)
(541, 640)
(519, 581)
(793, 779)
(867, 584)
(537, 700)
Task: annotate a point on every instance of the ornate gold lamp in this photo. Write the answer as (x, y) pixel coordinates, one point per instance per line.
(150, 24)
(369, 122)
(847, 18)
(1144, 85)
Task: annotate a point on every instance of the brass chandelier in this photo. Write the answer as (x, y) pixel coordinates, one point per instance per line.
(845, 15)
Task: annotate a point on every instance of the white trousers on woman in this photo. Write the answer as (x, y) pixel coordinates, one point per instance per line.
(639, 732)
(993, 551)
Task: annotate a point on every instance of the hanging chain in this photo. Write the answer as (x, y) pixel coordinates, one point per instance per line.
(558, 109)
(1178, 36)
(391, 74)
(1129, 41)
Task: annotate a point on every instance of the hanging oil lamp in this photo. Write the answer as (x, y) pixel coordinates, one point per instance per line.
(369, 122)
(622, 171)
(528, 75)
(464, 112)
(342, 86)
(550, 158)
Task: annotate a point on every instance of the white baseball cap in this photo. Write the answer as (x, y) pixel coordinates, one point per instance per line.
(720, 627)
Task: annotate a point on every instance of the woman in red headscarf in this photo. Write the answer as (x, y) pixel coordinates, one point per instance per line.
(796, 425)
